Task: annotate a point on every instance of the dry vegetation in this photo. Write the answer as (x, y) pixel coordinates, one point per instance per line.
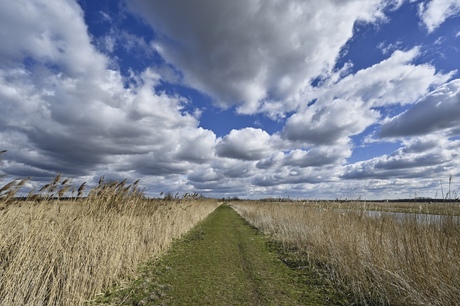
(64, 251)
(378, 261)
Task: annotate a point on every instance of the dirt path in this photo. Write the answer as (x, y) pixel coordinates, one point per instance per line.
(223, 261)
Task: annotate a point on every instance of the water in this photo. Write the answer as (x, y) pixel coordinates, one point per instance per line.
(420, 218)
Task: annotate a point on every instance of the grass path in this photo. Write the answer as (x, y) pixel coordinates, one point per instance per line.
(222, 261)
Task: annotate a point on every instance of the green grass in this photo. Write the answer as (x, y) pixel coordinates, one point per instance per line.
(223, 261)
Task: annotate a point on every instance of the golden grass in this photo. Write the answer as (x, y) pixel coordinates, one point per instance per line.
(378, 261)
(65, 252)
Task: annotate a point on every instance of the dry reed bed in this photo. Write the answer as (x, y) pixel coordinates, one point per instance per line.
(64, 252)
(379, 261)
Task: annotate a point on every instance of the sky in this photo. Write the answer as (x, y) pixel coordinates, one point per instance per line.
(332, 99)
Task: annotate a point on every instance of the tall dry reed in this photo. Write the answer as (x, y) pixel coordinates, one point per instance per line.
(64, 252)
(379, 261)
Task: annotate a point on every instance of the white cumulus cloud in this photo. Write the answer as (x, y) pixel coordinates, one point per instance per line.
(436, 12)
(329, 123)
(438, 111)
(245, 144)
(247, 53)
(64, 109)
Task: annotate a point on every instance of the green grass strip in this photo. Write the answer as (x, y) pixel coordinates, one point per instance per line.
(222, 261)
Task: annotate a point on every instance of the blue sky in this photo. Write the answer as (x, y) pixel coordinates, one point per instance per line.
(306, 99)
